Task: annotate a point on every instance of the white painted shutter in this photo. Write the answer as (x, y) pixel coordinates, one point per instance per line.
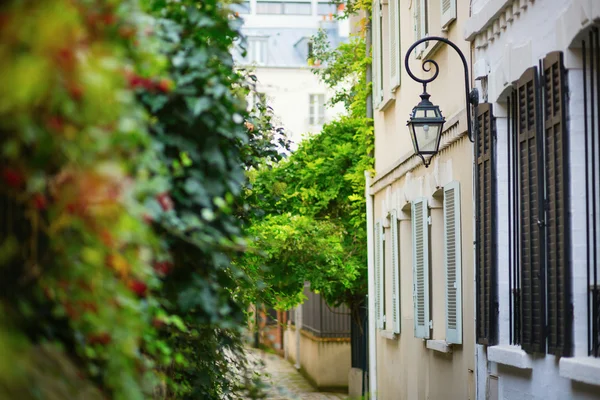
(394, 42)
(395, 272)
(379, 275)
(420, 24)
(420, 228)
(377, 56)
(448, 12)
(452, 262)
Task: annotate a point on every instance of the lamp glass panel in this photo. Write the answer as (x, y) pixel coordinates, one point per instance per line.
(426, 136)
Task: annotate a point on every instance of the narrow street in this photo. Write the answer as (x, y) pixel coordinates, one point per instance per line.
(287, 383)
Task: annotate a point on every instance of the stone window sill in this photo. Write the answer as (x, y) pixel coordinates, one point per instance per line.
(509, 355)
(581, 369)
(388, 335)
(386, 102)
(439, 345)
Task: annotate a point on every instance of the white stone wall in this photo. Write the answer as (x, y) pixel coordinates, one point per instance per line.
(288, 91)
(508, 37)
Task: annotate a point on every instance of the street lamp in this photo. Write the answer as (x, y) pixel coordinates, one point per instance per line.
(426, 119)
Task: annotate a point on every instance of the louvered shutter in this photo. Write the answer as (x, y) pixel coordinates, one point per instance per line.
(419, 24)
(395, 272)
(377, 58)
(487, 308)
(452, 262)
(379, 274)
(394, 42)
(420, 229)
(448, 12)
(556, 161)
(531, 235)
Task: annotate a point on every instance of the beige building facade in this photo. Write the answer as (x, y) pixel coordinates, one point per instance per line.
(421, 220)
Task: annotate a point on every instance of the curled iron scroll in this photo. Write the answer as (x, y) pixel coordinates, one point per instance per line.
(428, 64)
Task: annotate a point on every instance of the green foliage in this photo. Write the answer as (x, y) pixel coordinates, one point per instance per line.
(202, 150)
(309, 210)
(123, 153)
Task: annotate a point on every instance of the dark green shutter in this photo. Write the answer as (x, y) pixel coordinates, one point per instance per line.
(531, 218)
(487, 309)
(556, 161)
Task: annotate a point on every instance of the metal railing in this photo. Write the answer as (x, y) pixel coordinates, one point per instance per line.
(322, 320)
(591, 101)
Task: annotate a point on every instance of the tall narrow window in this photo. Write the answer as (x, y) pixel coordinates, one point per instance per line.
(557, 235)
(394, 42)
(420, 25)
(377, 56)
(486, 280)
(452, 262)
(420, 230)
(317, 109)
(591, 103)
(531, 213)
(395, 271)
(257, 50)
(539, 243)
(380, 275)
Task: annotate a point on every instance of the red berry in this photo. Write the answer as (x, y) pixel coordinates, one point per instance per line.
(75, 91)
(158, 323)
(138, 287)
(39, 201)
(109, 19)
(165, 201)
(163, 268)
(164, 85)
(13, 177)
(55, 123)
(100, 338)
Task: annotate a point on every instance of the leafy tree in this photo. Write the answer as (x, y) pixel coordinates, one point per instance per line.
(309, 210)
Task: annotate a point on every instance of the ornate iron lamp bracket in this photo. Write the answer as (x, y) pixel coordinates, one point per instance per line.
(471, 96)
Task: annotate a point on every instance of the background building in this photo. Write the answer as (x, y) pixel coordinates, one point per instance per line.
(278, 42)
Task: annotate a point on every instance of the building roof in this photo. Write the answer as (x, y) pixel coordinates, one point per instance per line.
(288, 47)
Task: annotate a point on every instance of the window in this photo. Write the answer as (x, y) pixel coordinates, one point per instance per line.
(486, 280)
(299, 8)
(395, 271)
(452, 262)
(394, 42)
(257, 50)
(591, 77)
(539, 271)
(377, 56)
(316, 109)
(380, 275)
(326, 8)
(421, 27)
(420, 230)
(284, 7)
(269, 7)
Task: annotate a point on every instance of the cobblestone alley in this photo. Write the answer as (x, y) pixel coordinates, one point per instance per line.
(287, 383)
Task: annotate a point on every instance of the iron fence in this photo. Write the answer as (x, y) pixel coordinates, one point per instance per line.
(591, 99)
(322, 320)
